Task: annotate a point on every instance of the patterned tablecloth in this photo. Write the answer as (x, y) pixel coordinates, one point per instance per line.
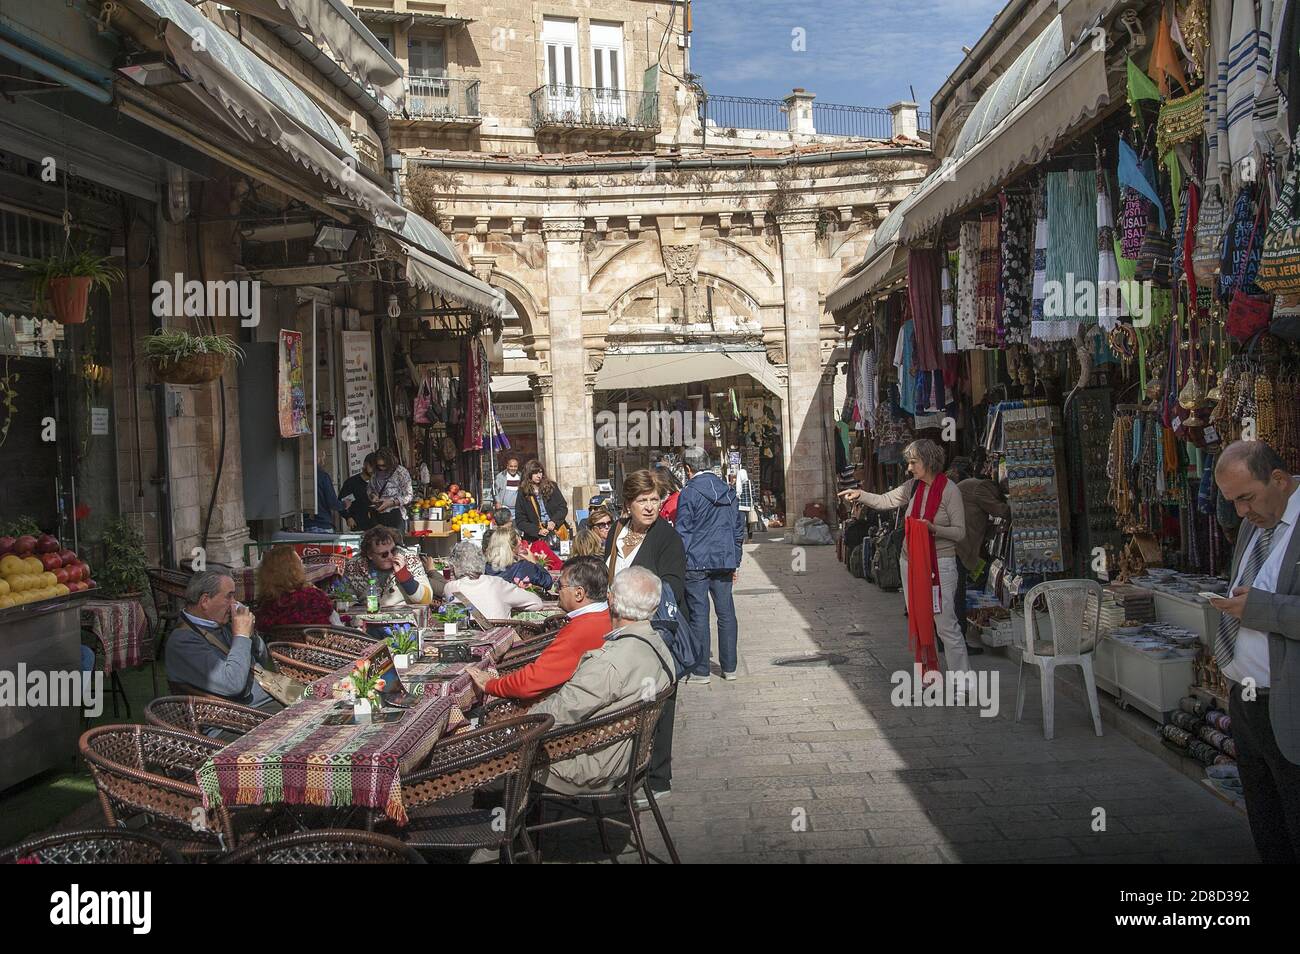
(122, 629)
(293, 759)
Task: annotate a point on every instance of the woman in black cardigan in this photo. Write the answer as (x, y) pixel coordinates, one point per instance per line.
(642, 539)
(539, 498)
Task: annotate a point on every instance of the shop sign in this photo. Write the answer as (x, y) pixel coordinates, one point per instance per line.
(358, 425)
(99, 422)
(516, 412)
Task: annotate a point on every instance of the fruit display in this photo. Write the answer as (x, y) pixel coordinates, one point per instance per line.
(35, 568)
(469, 518)
(452, 495)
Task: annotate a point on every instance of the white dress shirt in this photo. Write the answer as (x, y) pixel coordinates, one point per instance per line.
(1251, 657)
(599, 607)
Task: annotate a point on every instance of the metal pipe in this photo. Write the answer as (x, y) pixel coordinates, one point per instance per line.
(638, 165)
(56, 73)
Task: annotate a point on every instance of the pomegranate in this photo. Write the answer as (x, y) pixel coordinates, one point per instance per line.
(6, 545)
(50, 561)
(46, 543)
(25, 545)
(61, 575)
(67, 557)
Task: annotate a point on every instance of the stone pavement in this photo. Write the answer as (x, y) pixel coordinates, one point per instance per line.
(814, 764)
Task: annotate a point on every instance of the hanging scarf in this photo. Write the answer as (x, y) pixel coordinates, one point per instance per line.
(923, 590)
(1137, 174)
(1017, 266)
(1216, 93)
(990, 269)
(1040, 263)
(1071, 252)
(1243, 54)
(1110, 308)
(923, 294)
(948, 295)
(1164, 65)
(968, 253)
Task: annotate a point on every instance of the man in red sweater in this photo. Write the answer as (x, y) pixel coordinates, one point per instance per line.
(582, 597)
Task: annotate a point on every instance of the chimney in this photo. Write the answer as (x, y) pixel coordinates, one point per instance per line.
(799, 113)
(905, 121)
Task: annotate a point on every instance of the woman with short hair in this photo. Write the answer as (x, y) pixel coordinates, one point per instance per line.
(492, 596)
(936, 523)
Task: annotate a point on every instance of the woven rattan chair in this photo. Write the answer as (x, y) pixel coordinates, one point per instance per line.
(167, 587)
(147, 771)
(307, 663)
(336, 847)
(338, 639)
(632, 727)
(200, 715)
(94, 846)
(465, 763)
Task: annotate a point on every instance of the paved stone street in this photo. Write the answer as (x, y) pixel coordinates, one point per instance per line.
(879, 783)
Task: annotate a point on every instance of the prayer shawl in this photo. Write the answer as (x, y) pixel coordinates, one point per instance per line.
(1110, 307)
(1217, 163)
(968, 250)
(924, 595)
(948, 295)
(1017, 265)
(990, 269)
(1243, 57)
(1071, 254)
(923, 293)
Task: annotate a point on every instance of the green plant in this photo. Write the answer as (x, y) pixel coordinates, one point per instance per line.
(20, 526)
(83, 264)
(168, 345)
(404, 642)
(8, 399)
(124, 569)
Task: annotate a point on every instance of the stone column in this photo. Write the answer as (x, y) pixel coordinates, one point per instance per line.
(575, 462)
(799, 112)
(905, 119)
(805, 476)
(544, 402)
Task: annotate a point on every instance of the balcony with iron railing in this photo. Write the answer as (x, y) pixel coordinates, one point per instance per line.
(631, 112)
(728, 116)
(443, 100)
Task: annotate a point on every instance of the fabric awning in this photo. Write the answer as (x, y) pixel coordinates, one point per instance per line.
(1076, 91)
(254, 96)
(661, 368)
(884, 256)
(434, 275)
(350, 40)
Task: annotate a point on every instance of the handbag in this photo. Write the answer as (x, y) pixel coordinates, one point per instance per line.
(1248, 314)
(1209, 238)
(421, 414)
(282, 688)
(1279, 259)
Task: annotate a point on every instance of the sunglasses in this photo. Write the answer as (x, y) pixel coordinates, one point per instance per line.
(383, 553)
(602, 526)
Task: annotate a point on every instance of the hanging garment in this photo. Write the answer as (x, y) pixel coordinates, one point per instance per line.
(1040, 260)
(1110, 307)
(1071, 253)
(1286, 60)
(968, 251)
(904, 361)
(923, 295)
(948, 298)
(924, 594)
(990, 269)
(1217, 163)
(1236, 240)
(1138, 175)
(1164, 67)
(1017, 265)
(1243, 54)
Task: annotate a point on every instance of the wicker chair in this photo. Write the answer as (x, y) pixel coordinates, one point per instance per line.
(633, 726)
(198, 715)
(306, 663)
(94, 846)
(339, 639)
(144, 770)
(331, 847)
(517, 658)
(167, 587)
(465, 763)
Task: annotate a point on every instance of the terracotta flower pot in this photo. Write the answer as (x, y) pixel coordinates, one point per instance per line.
(69, 297)
(192, 369)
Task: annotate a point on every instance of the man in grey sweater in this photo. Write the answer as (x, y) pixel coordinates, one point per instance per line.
(214, 647)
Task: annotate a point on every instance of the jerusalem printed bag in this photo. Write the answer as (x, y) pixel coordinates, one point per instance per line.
(1279, 259)
(1248, 314)
(1209, 238)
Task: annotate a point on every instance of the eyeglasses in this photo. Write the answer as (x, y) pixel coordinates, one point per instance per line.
(602, 526)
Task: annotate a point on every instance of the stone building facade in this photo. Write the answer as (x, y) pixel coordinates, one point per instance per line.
(612, 221)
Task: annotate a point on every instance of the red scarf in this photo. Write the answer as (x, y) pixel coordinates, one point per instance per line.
(923, 590)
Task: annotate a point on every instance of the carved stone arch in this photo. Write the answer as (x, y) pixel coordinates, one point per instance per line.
(621, 253)
(618, 305)
(864, 230)
(761, 265)
(525, 306)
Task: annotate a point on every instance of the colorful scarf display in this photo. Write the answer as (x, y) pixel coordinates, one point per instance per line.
(1071, 252)
(968, 253)
(1110, 307)
(990, 271)
(1017, 265)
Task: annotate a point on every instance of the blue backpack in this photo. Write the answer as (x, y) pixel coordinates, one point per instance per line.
(672, 629)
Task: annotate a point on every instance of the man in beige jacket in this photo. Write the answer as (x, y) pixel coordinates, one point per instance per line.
(634, 665)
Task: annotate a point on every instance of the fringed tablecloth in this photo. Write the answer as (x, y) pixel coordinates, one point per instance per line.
(122, 629)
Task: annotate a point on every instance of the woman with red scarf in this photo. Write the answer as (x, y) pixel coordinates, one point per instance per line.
(935, 524)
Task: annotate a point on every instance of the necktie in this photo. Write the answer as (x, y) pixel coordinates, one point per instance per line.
(1225, 644)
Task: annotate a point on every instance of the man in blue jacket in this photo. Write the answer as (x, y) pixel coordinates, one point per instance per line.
(713, 531)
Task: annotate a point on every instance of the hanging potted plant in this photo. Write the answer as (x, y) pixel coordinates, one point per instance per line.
(65, 281)
(179, 357)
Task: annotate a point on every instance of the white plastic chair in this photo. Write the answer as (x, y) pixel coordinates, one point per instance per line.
(1074, 610)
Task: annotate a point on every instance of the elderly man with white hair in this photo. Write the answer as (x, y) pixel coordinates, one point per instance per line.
(632, 666)
(492, 596)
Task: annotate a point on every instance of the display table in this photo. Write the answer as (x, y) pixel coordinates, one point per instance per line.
(41, 637)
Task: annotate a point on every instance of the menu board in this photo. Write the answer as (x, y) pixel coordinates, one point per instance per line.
(359, 427)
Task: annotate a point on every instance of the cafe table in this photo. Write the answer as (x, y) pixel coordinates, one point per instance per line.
(294, 758)
(122, 628)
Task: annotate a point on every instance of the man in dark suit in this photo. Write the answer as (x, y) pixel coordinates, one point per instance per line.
(1258, 643)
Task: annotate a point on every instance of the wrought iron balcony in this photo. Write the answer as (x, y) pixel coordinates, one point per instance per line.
(635, 112)
(441, 99)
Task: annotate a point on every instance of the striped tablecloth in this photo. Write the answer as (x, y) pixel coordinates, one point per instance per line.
(122, 629)
(294, 759)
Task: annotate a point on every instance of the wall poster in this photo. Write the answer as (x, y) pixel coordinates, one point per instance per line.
(292, 392)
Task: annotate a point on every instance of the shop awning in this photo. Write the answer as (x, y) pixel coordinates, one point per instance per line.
(884, 257)
(652, 369)
(1075, 91)
(434, 275)
(254, 96)
(350, 40)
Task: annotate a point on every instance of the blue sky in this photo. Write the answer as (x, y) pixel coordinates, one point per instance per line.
(858, 52)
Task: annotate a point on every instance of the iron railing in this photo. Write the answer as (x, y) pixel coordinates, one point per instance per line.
(441, 97)
(723, 114)
(859, 122)
(923, 122)
(581, 106)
